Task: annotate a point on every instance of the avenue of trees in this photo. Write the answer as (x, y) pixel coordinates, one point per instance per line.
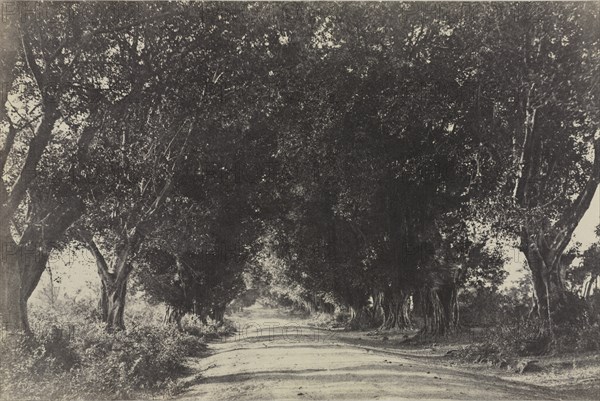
(370, 157)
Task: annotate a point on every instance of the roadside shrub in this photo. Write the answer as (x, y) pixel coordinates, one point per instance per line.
(322, 319)
(589, 338)
(574, 329)
(594, 303)
(121, 365)
(26, 363)
(140, 358)
(486, 307)
(194, 327)
(480, 352)
(524, 337)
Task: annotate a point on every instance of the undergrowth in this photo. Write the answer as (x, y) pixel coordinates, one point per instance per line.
(59, 363)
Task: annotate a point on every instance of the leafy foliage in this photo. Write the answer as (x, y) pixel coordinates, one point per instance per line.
(56, 364)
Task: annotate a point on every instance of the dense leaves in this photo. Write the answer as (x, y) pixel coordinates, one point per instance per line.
(370, 157)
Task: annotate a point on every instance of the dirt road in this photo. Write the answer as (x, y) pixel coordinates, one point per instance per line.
(277, 357)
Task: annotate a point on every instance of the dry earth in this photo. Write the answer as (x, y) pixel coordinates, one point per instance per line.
(275, 356)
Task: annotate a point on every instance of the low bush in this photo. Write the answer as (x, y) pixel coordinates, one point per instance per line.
(54, 364)
(575, 328)
(193, 326)
(142, 358)
(521, 338)
(486, 307)
(589, 338)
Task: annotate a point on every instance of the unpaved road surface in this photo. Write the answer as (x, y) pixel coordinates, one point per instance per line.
(276, 357)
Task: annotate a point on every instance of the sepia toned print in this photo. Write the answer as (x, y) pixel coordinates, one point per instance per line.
(299, 200)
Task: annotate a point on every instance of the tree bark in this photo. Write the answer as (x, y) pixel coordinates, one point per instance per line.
(542, 242)
(113, 283)
(20, 272)
(540, 279)
(103, 302)
(587, 292)
(22, 264)
(357, 311)
(173, 316)
(113, 302)
(379, 313)
(9, 53)
(11, 311)
(440, 309)
(397, 311)
(202, 313)
(218, 313)
(546, 275)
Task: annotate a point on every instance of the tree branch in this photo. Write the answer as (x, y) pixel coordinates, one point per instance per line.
(169, 181)
(31, 63)
(8, 144)
(28, 171)
(101, 264)
(566, 225)
(526, 160)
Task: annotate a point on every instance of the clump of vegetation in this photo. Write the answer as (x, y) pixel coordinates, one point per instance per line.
(192, 325)
(59, 363)
(575, 328)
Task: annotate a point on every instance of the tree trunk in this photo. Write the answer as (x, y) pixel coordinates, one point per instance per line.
(405, 311)
(22, 264)
(379, 313)
(31, 272)
(397, 307)
(357, 311)
(15, 283)
(541, 286)
(113, 282)
(203, 315)
(103, 302)
(354, 313)
(11, 308)
(218, 313)
(587, 292)
(440, 309)
(173, 316)
(21, 268)
(112, 303)
(548, 287)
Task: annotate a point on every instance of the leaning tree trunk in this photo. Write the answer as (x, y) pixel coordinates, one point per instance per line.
(10, 278)
(14, 287)
(22, 266)
(31, 272)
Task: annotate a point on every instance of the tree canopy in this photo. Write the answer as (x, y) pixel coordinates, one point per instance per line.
(365, 156)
